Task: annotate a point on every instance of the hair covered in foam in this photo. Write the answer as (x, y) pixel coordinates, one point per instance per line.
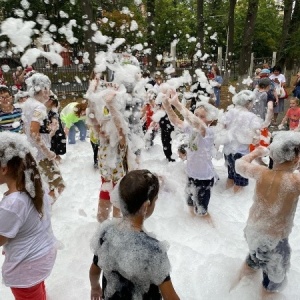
(37, 82)
(243, 98)
(212, 111)
(13, 145)
(285, 146)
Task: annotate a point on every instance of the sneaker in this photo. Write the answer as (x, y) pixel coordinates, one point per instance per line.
(200, 211)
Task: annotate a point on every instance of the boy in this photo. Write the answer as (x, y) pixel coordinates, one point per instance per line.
(134, 265)
(271, 216)
(10, 116)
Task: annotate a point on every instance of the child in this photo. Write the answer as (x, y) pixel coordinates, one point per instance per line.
(242, 128)
(134, 265)
(10, 116)
(271, 216)
(25, 225)
(112, 151)
(37, 130)
(58, 136)
(263, 107)
(200, 169)
(292, 115)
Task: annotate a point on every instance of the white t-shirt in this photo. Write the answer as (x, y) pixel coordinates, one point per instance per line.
(30, 251)
(199, 153)
(280, 77)
(241, 127)
(36, 111)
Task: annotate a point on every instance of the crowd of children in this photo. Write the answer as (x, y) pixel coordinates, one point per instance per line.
(123, 117)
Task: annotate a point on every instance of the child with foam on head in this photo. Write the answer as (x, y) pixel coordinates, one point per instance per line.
(25, 226)
(271, 216)
(239, 127)
(104, 115)
(37, 129)
(134, 264)
(200, 169)
(292, 116)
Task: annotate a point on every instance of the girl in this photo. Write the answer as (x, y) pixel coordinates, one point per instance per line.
(37, 129)
(292, 115)
(25, 225)
(200, 169)
(135, 265)
(112, 151)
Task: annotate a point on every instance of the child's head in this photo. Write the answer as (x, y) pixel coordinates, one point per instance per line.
(18, 164)
(39, 85)
(285, 147)
(136, 188)
(5, 96)
(294, 102)
(206, 112)
(264, 83)
(244, 98)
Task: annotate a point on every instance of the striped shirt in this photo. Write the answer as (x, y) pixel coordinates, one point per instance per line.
(11, 121)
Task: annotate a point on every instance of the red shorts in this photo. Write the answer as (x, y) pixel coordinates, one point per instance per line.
(106, 187)
(264, 139)
(36, 292)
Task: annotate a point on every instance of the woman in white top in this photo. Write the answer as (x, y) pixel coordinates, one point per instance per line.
(279, 80)
(25, 227)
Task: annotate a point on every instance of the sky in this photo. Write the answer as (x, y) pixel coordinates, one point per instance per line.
(206, 253)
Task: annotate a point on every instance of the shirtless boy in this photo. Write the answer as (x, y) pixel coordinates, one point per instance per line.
(271, 216)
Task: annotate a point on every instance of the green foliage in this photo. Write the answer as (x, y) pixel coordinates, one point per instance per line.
(267, 28)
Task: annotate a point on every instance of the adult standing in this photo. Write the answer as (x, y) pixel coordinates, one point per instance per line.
(216, 84)
(279, 80)
(74, 115)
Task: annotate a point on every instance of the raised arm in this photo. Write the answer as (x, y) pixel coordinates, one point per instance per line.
(173, 117)
(245, 167)
(193, 120)
(117, 118)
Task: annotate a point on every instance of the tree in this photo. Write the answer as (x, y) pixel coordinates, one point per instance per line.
(245, 56)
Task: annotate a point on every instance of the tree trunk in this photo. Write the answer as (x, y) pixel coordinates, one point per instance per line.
(230, 41)
(89, 46)
(150, 36)
(286, 27)
(245, 56)
(200, 26)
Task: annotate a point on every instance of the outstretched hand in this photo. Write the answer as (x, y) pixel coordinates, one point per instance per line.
(262, 151)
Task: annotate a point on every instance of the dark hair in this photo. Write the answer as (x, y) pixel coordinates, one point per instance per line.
(215, 67)
(264, 82)
(5, 89)
(136, 187)
(16, 169)
(277, 68)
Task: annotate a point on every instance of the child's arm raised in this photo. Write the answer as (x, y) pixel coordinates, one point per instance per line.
(167, 291)
(244, 166)
(94, 274)
(174, 119)
(188, 115)
(117, 118)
